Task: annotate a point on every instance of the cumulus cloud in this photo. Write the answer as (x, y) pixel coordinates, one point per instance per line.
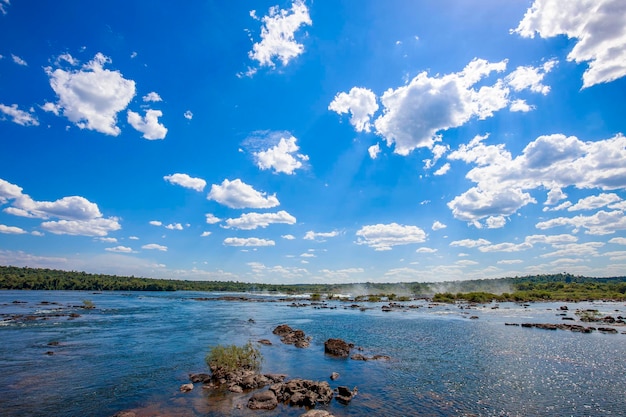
(520, 106)
(600, 223)
(155, 223)
(237, 194)
(530, 78)
(78, 216)
(470, 243)
(212, 219)
(186, 181)
(595, 202)
(374, 150)
(18, 116)
(278, 34)
(92, 96)
(320, 236)
(119, 249)
(252, 241)
(152, 96)
(174, 226)
(11, 230)
(437, 225)
(250, 221)
(282, 158)
(385, 236)
(598, 26)
(188, 115)
(618, 240)
(155, 246)
(550, 162)
(288, 237)
(443, 170)
(360, 103)
(148, 125)
(414, 113)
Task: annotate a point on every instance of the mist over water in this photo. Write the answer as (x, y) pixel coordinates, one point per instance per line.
(134, 350)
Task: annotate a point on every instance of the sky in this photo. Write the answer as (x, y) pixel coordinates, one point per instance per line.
(310, 141)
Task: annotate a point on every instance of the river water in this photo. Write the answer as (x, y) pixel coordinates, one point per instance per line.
(134, 350)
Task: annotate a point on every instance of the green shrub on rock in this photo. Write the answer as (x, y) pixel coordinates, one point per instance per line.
(224, 360)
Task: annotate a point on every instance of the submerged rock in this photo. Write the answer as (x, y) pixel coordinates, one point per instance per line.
(265, 400)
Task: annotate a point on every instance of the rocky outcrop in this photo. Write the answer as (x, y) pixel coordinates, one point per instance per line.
(290, 336)
(265, 400)
(303, 392)
(317, 413)
(344, 395)
(337, 347)
(360, 357)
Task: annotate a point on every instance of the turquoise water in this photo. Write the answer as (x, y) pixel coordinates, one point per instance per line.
(134, 350)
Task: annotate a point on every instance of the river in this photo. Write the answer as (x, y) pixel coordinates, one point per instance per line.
(132, 351)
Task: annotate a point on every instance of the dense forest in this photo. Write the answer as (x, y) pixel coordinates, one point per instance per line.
(534, 287)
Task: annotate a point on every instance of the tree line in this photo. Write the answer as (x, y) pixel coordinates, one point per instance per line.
(561, 286)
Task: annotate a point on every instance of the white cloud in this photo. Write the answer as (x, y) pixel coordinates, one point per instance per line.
(278, 34)
(320, 236)
(550, 162)
(282, 158)
(520, 106)
(374, 150)
(92, 227)
(250, 221)
(437, 225)
(174, 226)
(426, 250)
(92, 96)
(414, 113)
(618, 240)
(78, 215)
(595, 202)
(156, 223)
(252, 241)
(496, 222)
(443, 170)
(120, 249)
(360, 103)
(600, 223)
(212, 219)
(470, 243)
(288, 237)
(510, 262)
(11, 230)
(19, 61)
(186, 181)
(107, 239)
(599, 26)
(133, 238)
(205, 234)
(148, 125)
(155, 246)
(18, 116)
(530, 78)
(576, 250)
(3, 6)
(152, 96)
(385, 236)
(188, 115)
(237, 194)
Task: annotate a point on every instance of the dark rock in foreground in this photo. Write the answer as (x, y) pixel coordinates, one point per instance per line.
(344, 395)
(265, 400)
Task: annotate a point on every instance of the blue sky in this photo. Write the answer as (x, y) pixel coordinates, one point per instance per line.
(314, 142)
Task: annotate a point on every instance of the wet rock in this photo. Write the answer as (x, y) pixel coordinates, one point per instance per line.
(607, 330)
(124, 414)
(337, 347)
(334, 376)
(265, 342)
(303, 392)
(186, 387)
(290, 336)
(317, 413)
(344, 395)
(473, 317)
(199, 378)
(265, 400)
(563, 308)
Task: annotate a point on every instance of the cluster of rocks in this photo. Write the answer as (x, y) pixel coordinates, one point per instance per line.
(341, 349)
(290, 336)
(237, 381)
(562, 326)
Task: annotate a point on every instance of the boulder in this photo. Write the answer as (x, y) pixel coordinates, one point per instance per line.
(265, 400)
(290, 336)
(344, 395)
(334, 376)
(317, 413)
(186, 387)
(337, 347)
(303, 392)
(199, 378)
